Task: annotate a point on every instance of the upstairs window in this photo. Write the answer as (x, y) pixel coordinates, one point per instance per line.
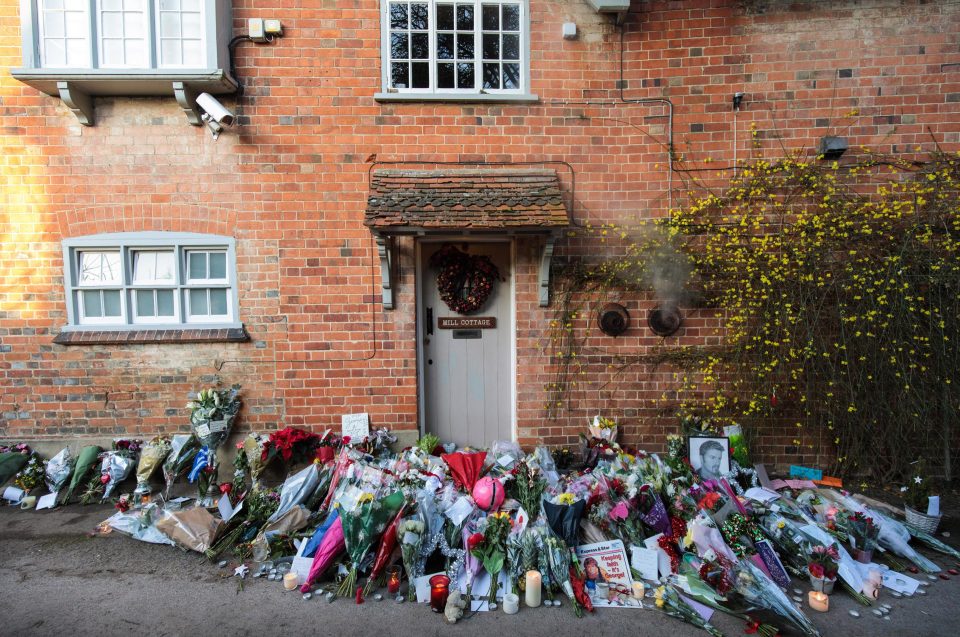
(456, 48)
(156, 279)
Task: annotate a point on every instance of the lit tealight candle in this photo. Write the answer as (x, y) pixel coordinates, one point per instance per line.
(290, 581)
(638, 590)
(818, 601)
(533, 589)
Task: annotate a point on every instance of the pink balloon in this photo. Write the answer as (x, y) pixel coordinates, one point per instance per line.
(488, 493)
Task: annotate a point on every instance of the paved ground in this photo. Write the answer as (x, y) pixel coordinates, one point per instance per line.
(55, 580)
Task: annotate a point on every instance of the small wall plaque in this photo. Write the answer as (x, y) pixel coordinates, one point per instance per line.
(467, 322)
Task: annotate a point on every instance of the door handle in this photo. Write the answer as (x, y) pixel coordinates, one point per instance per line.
(430, 321)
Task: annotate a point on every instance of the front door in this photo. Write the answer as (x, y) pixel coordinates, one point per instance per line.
(466, 359)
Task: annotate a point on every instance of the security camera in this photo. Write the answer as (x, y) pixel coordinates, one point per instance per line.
(215, 115)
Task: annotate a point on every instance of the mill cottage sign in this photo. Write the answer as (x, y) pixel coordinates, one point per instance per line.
(463, 322)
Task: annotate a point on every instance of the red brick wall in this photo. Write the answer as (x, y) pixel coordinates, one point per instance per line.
(289, 183)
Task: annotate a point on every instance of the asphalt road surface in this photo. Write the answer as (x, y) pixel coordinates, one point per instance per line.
(57, 580)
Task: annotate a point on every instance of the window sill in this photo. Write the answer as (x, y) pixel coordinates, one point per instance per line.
(523, 98)
(134, 336)
(78, 87)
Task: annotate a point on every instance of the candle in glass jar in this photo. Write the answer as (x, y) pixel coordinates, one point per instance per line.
(290, 581)
(511, 603)
(439, 591)
(393, 580)
(533, 589)
(818, 601)
(638, 590)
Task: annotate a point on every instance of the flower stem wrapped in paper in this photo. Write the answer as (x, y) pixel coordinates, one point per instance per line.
(362, 528)
(760, 592)
(12, 459)
(85, 462)
(492, 549)
(384, 552)
(603, 428)
(115, 466)
(59, 469)
(152, 456)
(669, 601)
(329, 548)
(410, 532)
(183, 449)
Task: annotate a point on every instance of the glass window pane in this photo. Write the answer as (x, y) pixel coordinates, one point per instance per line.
(445, 76)
(198, 302)
(192, 54)
(198, 265)
(189, 5)
(78, 53)
(144, 303)
(112, 24)
(399, 46)
(91, 304)
(465, 46)
(53, 25)
(419, 17)
(465, 75)
(218, 302)
(511, 47)
(218, 265)
(111, 302)
(511, 17)
(511, 76)
(491, 46)
(77, 24)
(133, 52)
(132, 5)
(133, 24)
(54, 53)
(170, 52)
(445, 17)
(113, 52)
(464, 17)
(398, 16)
(190, 24)
(445, 46)
(52, 5)
(75, 5)
(169, 5)
(421, 75)
(420, 46)
(99, 268)
(400, 75)
(491, 75)
(491, 17)
(165, 302)
(170, 25)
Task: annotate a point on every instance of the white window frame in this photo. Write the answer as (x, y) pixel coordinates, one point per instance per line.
(128, 244)
(146, 40)
(151, 38)
(41, 30)
(522, 93)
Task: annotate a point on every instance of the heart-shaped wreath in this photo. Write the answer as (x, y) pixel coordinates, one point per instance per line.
(465, 281)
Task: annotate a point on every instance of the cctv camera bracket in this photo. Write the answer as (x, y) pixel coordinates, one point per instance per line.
(187, 99)
(213, 125)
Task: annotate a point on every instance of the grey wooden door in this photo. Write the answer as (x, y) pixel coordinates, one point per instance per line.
(467, 373)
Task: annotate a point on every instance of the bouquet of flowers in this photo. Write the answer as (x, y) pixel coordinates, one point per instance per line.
(115, 466)
(329, 546)
(603, 428)
(183, 449)
(85, 460)
(760, 592)
(296, 489)
(824, 562)
(59, 469)
(211, 414)
(669, 601)
(491, 547)
(411, 532)
(918, 488)
(863, 533)
(384, 552)
(527, 487)
(12, 459)
(32, 475)
(255, 448)
(152, 456)
(294, 446)
(362, 528)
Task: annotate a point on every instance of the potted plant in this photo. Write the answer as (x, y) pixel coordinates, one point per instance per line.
(863, 535)
(822, 568)
(916, 498)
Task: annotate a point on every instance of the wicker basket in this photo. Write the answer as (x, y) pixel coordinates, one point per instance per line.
(926, 523)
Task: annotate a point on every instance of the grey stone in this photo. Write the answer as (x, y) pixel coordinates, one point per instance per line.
(854, 613)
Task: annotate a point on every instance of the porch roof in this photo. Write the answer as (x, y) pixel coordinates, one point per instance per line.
(465, 199)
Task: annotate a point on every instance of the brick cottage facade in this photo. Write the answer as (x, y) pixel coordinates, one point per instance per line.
(141, 258)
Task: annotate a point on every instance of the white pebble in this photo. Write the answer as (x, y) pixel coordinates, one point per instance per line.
(378, 597)
(854, 613)
(886, 618)
(307, 595)
(798, 598)
(877, 612)
(896, 594)
(797, 591)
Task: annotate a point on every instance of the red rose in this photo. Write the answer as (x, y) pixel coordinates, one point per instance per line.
(346, 440)
(474, 541)
(104, 478)
(816, 569)
(226, 488)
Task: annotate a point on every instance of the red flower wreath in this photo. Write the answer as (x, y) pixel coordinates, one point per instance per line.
(465, 281)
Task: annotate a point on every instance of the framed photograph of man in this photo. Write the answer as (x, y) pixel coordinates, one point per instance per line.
(709, 456)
